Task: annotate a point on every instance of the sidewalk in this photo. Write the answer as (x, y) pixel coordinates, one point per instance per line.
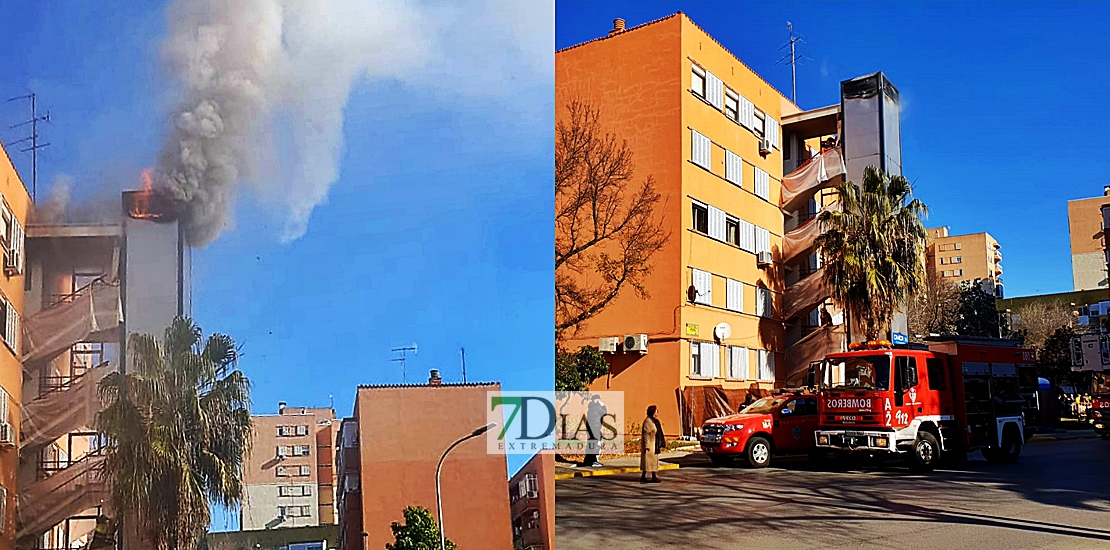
(628, 464)
(1064, 435)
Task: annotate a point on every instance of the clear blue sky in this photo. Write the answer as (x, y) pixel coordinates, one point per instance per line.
(438, 231)
(1003, 103)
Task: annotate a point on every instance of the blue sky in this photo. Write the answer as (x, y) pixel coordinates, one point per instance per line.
(437, 231)
(1003, 104)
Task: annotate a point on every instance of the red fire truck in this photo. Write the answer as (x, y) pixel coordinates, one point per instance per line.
(952, 396)
(1100, 415)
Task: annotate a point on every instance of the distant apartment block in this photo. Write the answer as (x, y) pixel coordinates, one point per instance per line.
(1087, 220)
(386, 461)
(289, 476)
(532, 502)
(968, 257)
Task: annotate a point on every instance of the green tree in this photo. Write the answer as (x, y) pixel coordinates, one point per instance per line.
(419, 532)
(873, 248)
(1054, 360)
(575, 371)
(978, 312)
(180, 424)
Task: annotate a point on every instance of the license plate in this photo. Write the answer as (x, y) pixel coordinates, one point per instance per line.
(850, 441)
(711, 439)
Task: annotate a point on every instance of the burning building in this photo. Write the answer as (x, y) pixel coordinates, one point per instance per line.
(75, 290)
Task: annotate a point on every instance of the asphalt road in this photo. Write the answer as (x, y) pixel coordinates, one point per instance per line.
(1057, 495)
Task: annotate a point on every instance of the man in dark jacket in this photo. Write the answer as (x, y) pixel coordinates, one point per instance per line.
(594, 414)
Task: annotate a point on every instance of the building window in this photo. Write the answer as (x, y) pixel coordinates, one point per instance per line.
(697, 81)
(958, 246)
(758, 124)
(701, 218)
(747, 236)
(763, 303)
(762, 240)
(762, 184)
(737, 363)
(710, 366)
(294, 490)
(959, 273)
(732, 231)
(733, 168)
(958, 260)
(528, 487)
(732, 105)
(294, 511)
(695, 359)
(734, 295)
(946, 274)
(703, 287)
(292, 431)
(943, 261)
(766, 366)
(293, 471)
(701, 150)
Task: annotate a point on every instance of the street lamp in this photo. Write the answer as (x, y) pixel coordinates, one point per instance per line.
(439, 468)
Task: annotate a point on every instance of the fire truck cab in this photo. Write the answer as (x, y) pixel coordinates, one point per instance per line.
(1100, 415)
(953, 396)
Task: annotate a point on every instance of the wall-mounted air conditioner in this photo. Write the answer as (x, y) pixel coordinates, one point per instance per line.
(765, 146)
(763, 259)
(636, 342)
(7, 435)
(608, 344)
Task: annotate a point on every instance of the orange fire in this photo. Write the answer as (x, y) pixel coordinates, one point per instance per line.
(140, 208)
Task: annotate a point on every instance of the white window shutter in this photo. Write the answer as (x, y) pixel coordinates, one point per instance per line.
(747, 113)
(10, 326)
(762, 240)
(773, 132)
(717, 223)
(763, 303)
(714, 90)
(710, 360)
(19, 246)
(762, 185)
(701, 152)
(703, 284)
(733, 167)
(747, 236)
(734, 295)
(738, 363)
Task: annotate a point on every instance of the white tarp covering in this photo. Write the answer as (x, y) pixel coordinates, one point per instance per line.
(820, 172)
(813, 347)
(801, 238)
(804, 294)
(62, 411)
(47, 502)
(55, 329)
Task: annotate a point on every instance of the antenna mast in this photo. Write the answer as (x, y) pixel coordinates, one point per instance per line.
(793, 59)
(463, 352)
(402, 358)
(34, 139)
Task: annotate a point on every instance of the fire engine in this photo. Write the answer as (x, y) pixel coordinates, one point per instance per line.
(1100, 415)
(952, 396)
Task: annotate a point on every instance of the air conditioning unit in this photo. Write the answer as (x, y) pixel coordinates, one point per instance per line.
(608, 344)
(7, 435)
(765, 146)
(11, 263)
(763, 258)
(636, 342)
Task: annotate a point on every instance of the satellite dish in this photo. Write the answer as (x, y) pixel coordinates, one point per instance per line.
(722, 331)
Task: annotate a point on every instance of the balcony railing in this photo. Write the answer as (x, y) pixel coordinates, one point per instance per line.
(56, 299)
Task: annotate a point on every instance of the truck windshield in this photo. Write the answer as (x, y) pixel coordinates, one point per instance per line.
(867, 372)
(763, 406)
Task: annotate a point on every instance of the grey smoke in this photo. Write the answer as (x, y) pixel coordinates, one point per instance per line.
(264, 84)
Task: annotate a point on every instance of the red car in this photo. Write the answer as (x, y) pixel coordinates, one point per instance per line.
(776, 425)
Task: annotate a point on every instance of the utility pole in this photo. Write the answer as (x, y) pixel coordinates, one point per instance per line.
(463, 352)
(793, 59)
(34, 139)
(401, 359)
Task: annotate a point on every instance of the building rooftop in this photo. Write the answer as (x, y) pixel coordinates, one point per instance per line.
(426, 385)
(63, 230)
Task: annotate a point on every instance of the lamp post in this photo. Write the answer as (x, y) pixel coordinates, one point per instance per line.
(439, 469)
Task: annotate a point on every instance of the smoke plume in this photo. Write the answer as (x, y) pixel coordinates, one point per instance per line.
(263, 88)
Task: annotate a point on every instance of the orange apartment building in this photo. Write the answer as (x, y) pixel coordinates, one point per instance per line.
(736, 294)
(386, 460)
(961, 258)
(1087, 220)
(289, 477)
(532, 502)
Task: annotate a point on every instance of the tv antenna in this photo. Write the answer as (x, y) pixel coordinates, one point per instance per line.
(462, 351)
(404, 351)
(793, 58)
(34, 139)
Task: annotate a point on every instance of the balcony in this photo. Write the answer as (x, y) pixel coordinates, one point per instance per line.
(814, 346)
(67, 492)
(91, 314)
(806, 293)
(820, 172)
(72, 406)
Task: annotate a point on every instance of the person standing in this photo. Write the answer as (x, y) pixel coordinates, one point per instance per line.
(651, 444)
(595, 413)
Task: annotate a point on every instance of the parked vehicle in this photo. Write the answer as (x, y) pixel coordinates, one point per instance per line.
(1100, 415)
(776, 425)
(954, 396)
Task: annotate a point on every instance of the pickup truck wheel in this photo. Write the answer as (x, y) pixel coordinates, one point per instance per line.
(720, 460)
(758, 452)
(925, 453)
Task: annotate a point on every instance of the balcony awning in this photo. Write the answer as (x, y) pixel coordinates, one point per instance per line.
(48, 502)
(820, 172)
(51, 331)
(804, 294)
(62, 411)
(814, 347)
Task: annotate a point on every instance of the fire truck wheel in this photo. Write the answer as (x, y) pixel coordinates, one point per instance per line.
(758, 452)
(925, 452)
(1010, 450)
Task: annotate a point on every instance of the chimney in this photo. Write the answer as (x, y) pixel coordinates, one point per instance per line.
(434, 379)
(281, 407)
(618, 27)
(1106, 190)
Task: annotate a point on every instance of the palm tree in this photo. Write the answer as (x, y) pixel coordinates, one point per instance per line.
(873, 248)
(180, 425)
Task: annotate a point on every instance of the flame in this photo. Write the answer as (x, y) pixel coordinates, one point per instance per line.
(140, 208)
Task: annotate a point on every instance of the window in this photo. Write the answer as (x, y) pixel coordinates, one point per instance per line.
(958, 246)
(697, 81)
(935, 368)
(710, 360)
(294, 511)
(300, 450)
(701, 218)
(747, 113)
(805, 406)
(4, 406)
(762, 240)
(869, 372)
(763, 305)
(737, 363)
(733, 167)
(701, 150)
(293, 471)
(943, 261)
(294, 490)
(773, 132)
(714, 90)
(959, 273)
(757, 124)
(905, 372)
(695, 359)
(958, 260)
(717, 224)
(946, 273)
(703, 287)
(732, 231)
(786, 149)
(734, 295)
(762, 184)
(766, 366)
(528, 487)
(282, 450)
(732, 105)
(11, 325)
(747, 236)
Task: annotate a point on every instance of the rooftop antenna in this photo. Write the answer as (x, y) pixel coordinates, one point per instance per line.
(34, 139)
(463, 352)
(793, 59)
(401, 359)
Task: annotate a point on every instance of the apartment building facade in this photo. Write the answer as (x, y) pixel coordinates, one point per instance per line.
(289, 477)
(532, 503)
(961, 258)
(386, 459)
(1087, 220)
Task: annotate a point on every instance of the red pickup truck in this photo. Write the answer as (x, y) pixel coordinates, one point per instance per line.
(780, 424)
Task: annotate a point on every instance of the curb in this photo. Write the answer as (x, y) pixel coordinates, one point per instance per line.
(611, 471)
(1046, 437)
